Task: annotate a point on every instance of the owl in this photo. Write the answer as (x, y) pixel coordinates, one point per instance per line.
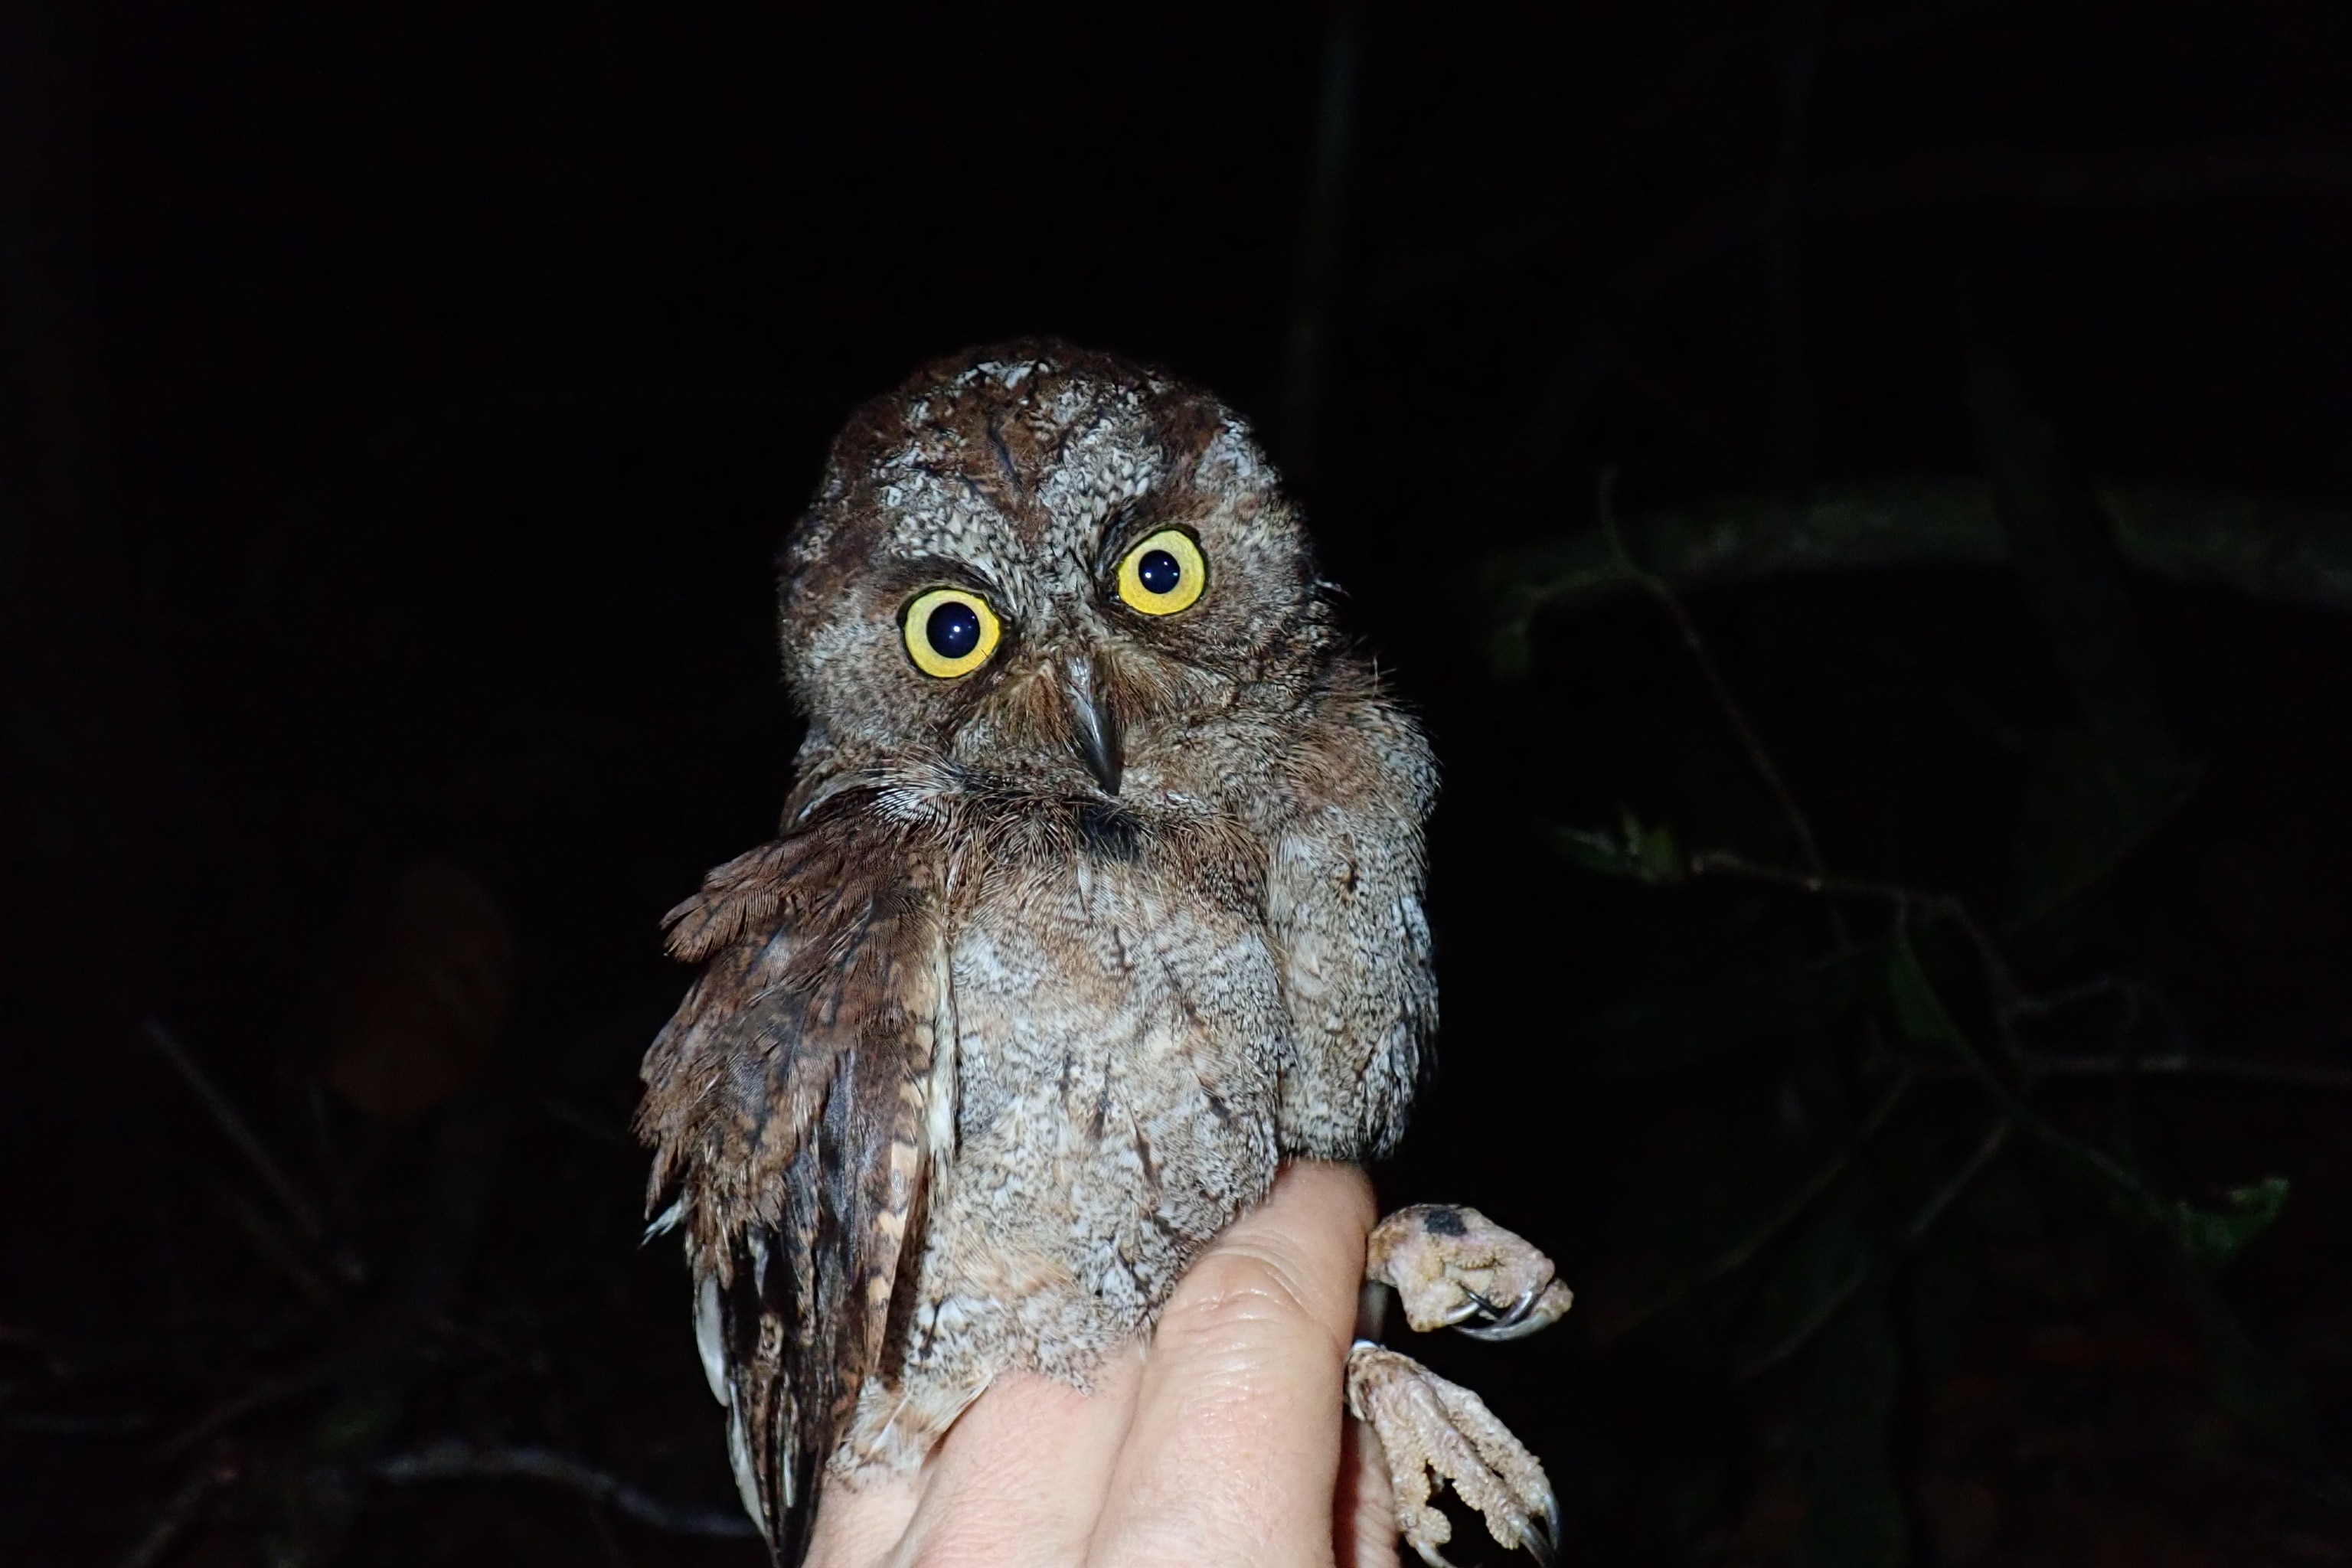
(1097, 894)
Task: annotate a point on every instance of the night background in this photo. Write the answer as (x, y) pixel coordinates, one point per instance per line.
(1861, 494)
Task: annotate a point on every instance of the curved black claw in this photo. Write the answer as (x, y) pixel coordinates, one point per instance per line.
(1531, 1314)
(1540, 1537)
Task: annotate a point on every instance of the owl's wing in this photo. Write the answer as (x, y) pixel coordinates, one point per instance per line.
(1344, 907)
(786, 1104)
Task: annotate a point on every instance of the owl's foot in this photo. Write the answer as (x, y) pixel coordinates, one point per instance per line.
(1436, 1433)
(1453, 1267)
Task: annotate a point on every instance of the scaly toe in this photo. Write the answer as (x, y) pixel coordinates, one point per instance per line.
(1451, 1267)
(1435, 1431)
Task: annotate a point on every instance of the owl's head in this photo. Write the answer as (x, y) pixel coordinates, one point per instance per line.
(1039, 568)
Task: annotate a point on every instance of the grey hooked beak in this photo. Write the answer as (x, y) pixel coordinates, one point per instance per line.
(1097, 730)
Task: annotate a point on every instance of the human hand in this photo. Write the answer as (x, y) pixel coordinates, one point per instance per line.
(1226, 1441)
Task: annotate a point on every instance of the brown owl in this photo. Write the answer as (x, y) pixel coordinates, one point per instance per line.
(1097, 896)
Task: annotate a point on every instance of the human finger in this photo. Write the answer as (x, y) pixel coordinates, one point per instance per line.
(1020, 1477)
(1234, 1451)
(1363, 1515)
(858, 1526)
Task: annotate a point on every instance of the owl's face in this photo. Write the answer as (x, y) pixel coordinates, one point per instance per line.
(1038, 568)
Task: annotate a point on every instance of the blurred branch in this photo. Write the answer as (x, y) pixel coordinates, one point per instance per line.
(1926, 1020)
(260, 1397)
(2181, 1065)
(1776, 1223)
(185, 1509)
(1921, 1225)
(2303, 554)
(1722, 863)
(2010, 1004)
(2008, 1001)
(452, 1461)
(275, 1246)
(1757, 757)
(225, 1115)
(375, 1388)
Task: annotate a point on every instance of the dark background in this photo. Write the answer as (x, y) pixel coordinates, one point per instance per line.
(402, 404)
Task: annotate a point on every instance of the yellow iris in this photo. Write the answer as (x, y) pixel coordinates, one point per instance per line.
(950, 632)
(1163, 575)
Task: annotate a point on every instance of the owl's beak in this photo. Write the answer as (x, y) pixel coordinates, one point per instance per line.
(1096, 728)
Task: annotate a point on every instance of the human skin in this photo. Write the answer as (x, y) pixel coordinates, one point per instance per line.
(1225, 1441)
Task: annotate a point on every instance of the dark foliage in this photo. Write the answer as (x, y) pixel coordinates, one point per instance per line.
(1856, 491)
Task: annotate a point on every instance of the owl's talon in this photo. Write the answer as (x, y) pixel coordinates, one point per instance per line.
(1452, 1265)
(1540, 1537)
(1434, 1433)
(1530, 1314)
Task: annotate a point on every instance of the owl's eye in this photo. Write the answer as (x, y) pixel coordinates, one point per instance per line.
(1163, 575)
(950, 632)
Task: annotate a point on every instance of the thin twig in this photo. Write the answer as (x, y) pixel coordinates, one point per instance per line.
(273, 1245)
(260, 1397)
(1950, 1192)
(225, 1115)
(2096, 1160)
(2008, 1001)
(1757, 757)
(1813, 1322)
(2090, 990)
(1822, 1182)
(451, 1462)
(1743, 1251)
(2266, 549)
(185, 1509)
(1725, 863)
(1922, 1225)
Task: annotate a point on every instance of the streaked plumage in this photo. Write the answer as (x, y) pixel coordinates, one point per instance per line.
(1054, 960)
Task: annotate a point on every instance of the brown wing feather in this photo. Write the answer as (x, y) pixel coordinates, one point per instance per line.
(786, 1104)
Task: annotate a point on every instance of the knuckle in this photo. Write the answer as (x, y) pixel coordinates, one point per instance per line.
(1237, 1285)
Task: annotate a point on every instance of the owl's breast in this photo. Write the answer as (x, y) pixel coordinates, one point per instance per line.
(1117, 1038)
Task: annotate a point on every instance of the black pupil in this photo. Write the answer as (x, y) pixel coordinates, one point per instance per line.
(1159, 571)
(954, 630)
